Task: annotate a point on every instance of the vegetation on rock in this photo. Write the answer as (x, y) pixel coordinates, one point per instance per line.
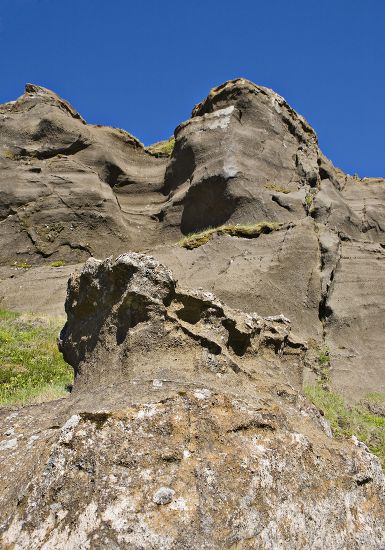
(23, 265)
(250, 231)
(31, 367)
(277, 188)
(58, 263)
(162, 148)
(365, 420)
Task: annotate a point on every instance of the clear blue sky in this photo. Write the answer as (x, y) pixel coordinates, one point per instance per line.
(142, 65)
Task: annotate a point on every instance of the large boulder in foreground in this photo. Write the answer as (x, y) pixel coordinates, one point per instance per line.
(184, 430)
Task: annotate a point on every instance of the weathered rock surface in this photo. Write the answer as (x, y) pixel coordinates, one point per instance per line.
(71, 190)
(185, 429)
(65, 186)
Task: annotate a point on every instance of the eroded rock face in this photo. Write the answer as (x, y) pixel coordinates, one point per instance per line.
(184, 430)
(71, 190)
(127, 320)
(64, 185)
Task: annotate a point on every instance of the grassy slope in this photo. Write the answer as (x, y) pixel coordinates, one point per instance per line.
(31, 367)
(365, 420)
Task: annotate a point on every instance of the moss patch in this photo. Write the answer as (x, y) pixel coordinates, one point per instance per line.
(365, 420)
(194, 240)
(162, 148)
(58, 263)
(22, 265)
(277, 188)
(31, 367)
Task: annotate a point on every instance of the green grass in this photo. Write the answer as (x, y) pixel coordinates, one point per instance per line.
(31, 367)
(359, 420)
(323, 357)
(309, 200)
(22, 265)
(162, 148)
(58, 263)
(277, 188)
(250, 231)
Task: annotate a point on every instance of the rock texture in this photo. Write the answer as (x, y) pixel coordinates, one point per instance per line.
(186, 426)
(66, 187)
(71, 190)
(185, 429)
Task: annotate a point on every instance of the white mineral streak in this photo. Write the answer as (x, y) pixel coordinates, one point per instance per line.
(8, 444)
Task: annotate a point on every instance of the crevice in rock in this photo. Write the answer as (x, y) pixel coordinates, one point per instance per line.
(324, 309)
(278, 200)
(237, 341)
(252, 425)
(71, 149)
(131, 312)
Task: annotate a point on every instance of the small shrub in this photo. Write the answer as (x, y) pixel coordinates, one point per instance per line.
(347, 420)
(309, 200)
(194, 240)
(324, 357)
(58, 263)
(8, 154)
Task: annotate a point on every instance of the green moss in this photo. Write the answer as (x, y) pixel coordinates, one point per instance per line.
(8, 154)
(194, 240)
(324, 357)
(31, 366)
(162, 148)
(22, 265)
(58, 263)
(309, 200)
(347, 420)
(277, 188)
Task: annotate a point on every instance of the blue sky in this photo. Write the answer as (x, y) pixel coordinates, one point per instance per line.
(143, 65)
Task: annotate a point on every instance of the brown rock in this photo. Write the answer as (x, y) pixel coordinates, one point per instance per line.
(184, 430)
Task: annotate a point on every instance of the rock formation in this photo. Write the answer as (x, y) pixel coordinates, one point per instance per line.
(186, 427)
(70, 190)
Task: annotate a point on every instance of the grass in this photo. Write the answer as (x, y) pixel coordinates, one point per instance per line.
(324, 358)
(277, 188)
(162, 148)
(31, 367)
(309, 200)
(22, 265)
(194, 240)
(8, 154)
(58, 263)
(359, 420)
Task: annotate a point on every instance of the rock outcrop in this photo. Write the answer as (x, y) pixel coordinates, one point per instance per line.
(186, 426)
(71, 190)
(185, 429)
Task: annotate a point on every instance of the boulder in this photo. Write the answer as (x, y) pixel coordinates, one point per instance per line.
(185, 429)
